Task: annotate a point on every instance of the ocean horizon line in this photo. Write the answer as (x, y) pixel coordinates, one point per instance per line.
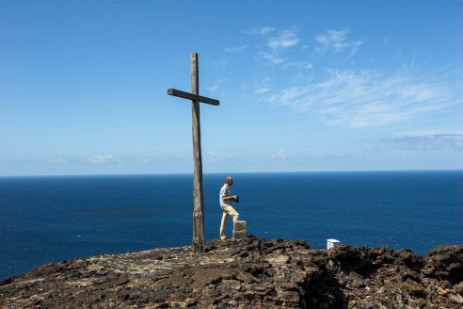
(235, 173)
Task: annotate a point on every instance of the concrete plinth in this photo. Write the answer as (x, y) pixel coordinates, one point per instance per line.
(240, 229)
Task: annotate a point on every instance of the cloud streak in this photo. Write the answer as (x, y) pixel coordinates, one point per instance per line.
(337, 41)
(280, 155)
(259, 31)
(353, 98)
(284, 39)
(272, 58)
(236, 49)
(216, 157)
(102, 159)
(429, 142)
(277, 41)
(366, 99)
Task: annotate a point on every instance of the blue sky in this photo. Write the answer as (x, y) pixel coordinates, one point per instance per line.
(303, 86)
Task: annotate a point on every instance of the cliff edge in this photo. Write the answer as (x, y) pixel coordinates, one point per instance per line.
(246, 273)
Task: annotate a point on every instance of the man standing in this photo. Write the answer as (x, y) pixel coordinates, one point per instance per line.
(226, 200)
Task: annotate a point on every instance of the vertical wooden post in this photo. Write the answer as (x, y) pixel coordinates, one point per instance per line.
(198, 200)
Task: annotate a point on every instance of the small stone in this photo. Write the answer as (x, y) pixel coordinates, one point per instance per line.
(441, 291)
(457, 298)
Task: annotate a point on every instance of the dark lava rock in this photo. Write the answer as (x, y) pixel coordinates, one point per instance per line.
(246, 273)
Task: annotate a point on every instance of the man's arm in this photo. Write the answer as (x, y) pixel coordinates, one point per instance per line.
(231, 197)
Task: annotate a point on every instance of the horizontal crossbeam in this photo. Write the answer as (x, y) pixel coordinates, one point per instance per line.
(191, 96)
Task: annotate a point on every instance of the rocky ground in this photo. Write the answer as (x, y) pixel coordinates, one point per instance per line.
(247, 273)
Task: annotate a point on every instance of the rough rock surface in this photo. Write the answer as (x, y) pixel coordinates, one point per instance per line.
(247, 273)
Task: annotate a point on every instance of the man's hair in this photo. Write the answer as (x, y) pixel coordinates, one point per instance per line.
(227, 179)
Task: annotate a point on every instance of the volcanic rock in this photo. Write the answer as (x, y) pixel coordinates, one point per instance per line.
(246, 273)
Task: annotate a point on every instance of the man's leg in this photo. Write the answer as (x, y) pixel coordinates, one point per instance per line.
(223, 225)
(227, 211)
(232, 213)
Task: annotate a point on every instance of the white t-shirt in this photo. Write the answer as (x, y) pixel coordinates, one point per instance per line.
(225, 191)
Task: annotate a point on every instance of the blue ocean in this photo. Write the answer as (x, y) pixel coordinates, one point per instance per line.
(51, 219)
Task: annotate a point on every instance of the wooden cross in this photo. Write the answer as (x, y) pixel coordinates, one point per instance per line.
(198, 209)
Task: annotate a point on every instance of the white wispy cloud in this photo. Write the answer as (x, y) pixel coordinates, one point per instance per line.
(428, 141)
(102, 159)
(349, 98)
(284, 39)
(337, 41)
(236, 49)
(262, 85)
(367, 99)
(276, 43)
(261, 90)
(219, 157)
(146, 160)
(212, 89)
(272, 58)
(281, 154)
(60, 161)
(260, 31)
(298, 65)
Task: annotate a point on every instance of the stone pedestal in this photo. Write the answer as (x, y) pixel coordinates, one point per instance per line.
(240, 229)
